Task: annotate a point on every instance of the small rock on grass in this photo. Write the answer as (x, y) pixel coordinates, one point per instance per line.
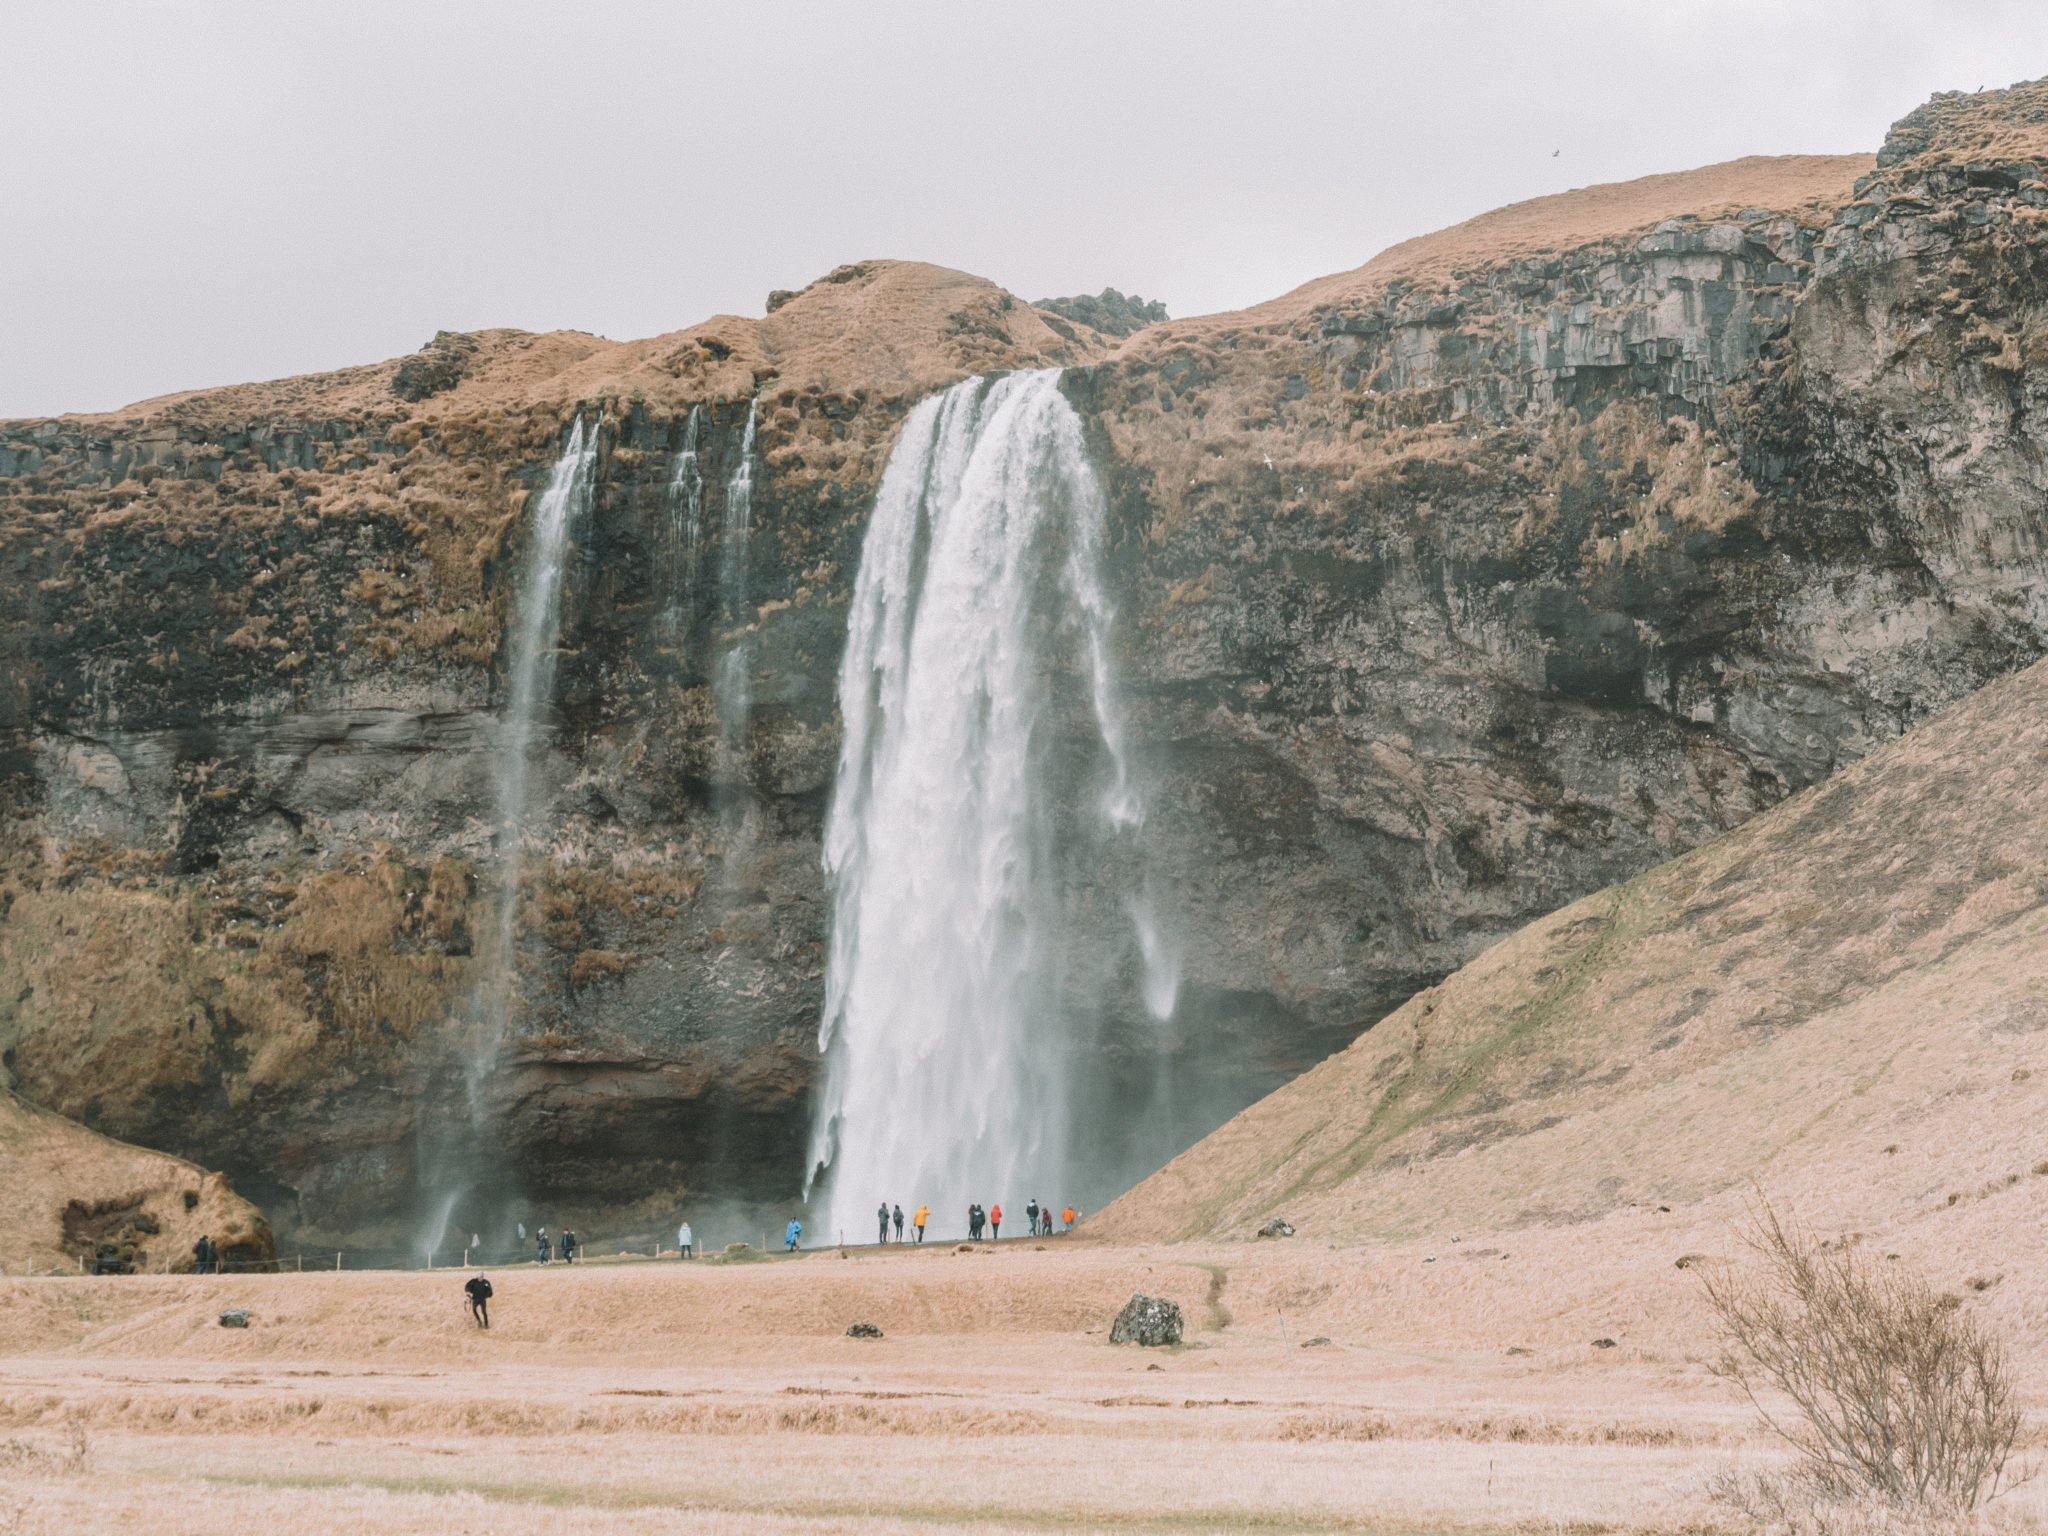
(1317, 1342)
(235, 1317)
(863, 1331)
(1603, 1344)
(1278, 1226)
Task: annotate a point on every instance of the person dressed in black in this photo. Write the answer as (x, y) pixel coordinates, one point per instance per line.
(479, 1291)
(974, 1223)
(898, 1217)
(202, 1256)
(882, 1216)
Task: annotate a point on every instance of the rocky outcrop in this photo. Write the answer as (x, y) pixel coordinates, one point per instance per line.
(1449, 590)
(1110, 313)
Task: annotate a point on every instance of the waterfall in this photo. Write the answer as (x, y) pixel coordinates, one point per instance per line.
(686, 526)
(531, 646)
(733, 687)
(948, 1064)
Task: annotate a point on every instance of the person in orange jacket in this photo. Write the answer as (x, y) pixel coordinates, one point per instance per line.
(924, 1214)
(1067, 1219)
(995, 1222)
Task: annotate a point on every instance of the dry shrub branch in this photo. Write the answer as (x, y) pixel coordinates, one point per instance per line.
(1897, 1392)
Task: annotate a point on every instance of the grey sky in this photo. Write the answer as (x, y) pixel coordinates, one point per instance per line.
(206, 193)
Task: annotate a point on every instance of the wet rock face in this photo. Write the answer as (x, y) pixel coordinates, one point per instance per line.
(1442, 601)
(249, 858)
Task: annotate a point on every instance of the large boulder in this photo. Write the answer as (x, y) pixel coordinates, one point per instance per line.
(1148, 1320)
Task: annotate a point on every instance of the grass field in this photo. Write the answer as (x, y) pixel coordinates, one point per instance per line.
(657, 1397)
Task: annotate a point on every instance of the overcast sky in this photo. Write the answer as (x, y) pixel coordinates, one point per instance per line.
(202, 194)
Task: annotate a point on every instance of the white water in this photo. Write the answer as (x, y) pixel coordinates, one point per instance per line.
(532, 646)
(686, 518)
(1160, 984)
(437, 1225)
(733, 686)
(948, 1064)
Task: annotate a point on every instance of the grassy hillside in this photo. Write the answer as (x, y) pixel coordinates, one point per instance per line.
(1840, 1001)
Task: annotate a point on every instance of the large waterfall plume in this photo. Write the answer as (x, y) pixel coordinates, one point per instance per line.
(950, 1057)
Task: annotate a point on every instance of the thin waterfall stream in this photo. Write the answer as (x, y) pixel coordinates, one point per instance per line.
(949, 1061)
(733, 687)
(686, 519)
(532, 645)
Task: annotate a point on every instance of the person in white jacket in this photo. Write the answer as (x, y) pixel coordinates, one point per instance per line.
(684, 1240)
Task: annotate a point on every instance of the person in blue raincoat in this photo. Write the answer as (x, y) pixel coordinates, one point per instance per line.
(792, 1232)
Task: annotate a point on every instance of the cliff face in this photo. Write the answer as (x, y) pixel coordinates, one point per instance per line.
(1450, 590)
(254, 714)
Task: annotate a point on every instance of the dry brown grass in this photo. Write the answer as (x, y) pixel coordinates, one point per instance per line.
(611, 1397)
(1611, 211)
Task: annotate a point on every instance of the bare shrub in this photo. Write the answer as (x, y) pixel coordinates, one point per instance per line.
(1898, 1393)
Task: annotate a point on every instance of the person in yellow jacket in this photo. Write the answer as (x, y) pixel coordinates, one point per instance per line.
(924, 1214)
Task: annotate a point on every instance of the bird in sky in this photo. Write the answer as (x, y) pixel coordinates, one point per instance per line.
(1555, 153)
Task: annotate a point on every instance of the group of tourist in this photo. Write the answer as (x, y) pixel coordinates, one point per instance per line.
(564, 1248)
(1038, 1219)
